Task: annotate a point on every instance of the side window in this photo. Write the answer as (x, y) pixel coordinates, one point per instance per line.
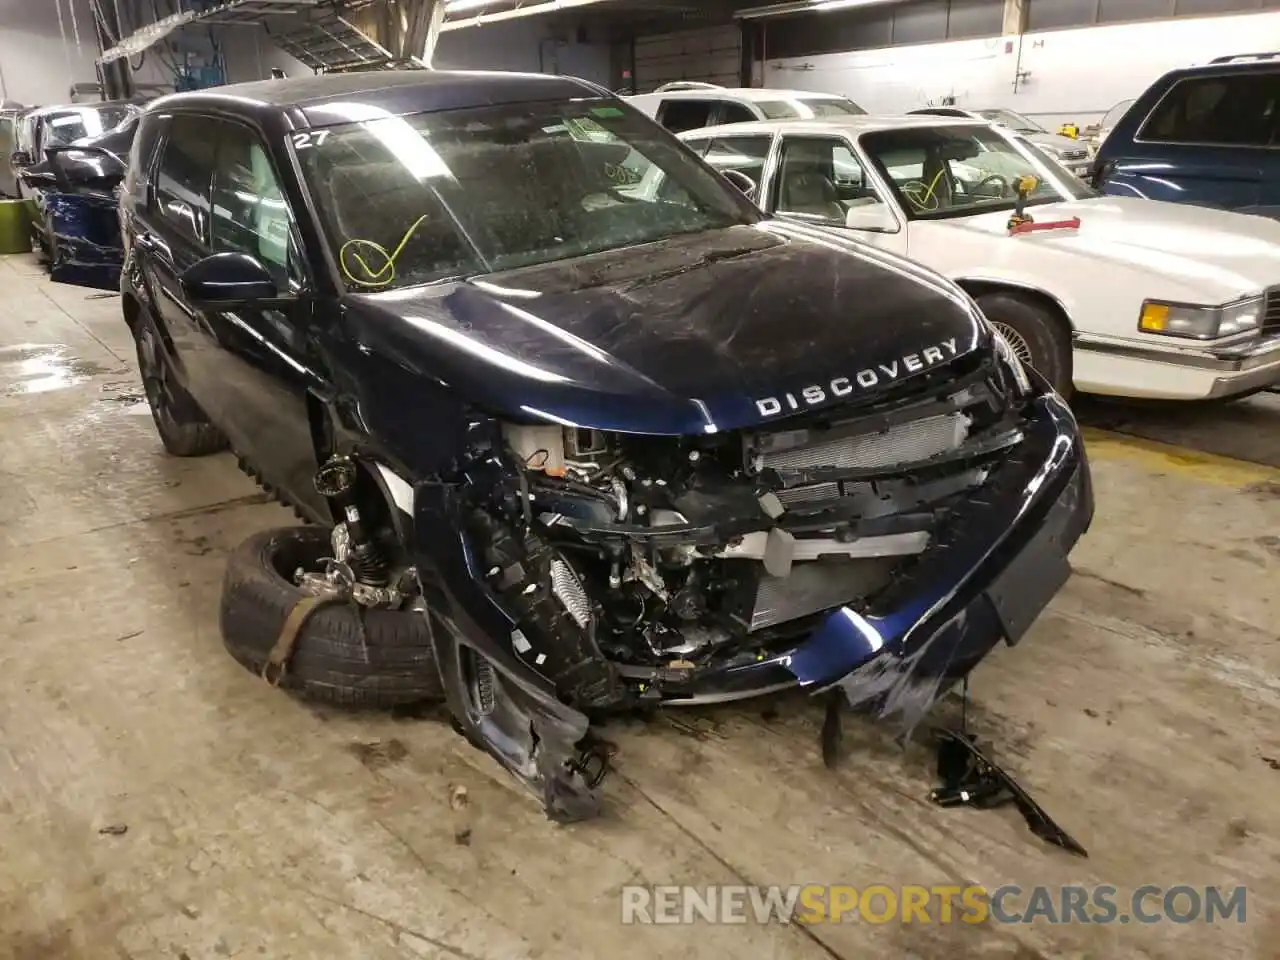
(681, 115)
(1240, 110)
(821, 178)
(744, 154)
(736, 113)
(250, 213)
(182, 178)
(27, 135)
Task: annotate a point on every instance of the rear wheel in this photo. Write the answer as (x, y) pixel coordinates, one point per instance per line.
(1038, 338)
(183, 428)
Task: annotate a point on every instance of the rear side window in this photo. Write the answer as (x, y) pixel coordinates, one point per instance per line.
(1240, 110)
(681, 115)
(182, 179)
(736, 113)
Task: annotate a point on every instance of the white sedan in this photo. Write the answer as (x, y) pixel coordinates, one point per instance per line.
(1138, 299)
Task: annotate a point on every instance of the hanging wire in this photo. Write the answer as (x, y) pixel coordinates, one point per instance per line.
(119, 21)
(66, 48)
(102, 22)
(75, 23)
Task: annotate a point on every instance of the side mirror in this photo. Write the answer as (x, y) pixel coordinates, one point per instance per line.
(226, 280)
(741, 181)
(20, 158)
(875, 217)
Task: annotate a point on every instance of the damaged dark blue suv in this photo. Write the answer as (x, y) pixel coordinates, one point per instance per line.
(573, 417)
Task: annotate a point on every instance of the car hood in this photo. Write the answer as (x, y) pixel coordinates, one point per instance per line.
(713, 331)
(1057, 141)
(1215, 254)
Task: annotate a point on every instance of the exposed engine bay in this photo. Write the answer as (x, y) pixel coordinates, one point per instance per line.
(633, 563)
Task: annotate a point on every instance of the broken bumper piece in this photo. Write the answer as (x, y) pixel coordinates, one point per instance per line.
(987, 576)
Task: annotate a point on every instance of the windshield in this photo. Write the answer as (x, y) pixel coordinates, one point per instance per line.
(1014, 121)
(809, 108)
(955, 171)
(409, 200)
(1114, 114)
(72, 124)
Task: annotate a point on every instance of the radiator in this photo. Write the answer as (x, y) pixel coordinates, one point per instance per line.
(816, 586)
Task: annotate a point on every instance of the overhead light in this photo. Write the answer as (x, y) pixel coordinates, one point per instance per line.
(805, 6)
(480, 19)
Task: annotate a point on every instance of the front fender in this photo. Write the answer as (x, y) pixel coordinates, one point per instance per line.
(977, 283)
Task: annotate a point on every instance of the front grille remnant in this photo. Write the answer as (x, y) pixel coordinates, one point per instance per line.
(1271, 311)
(824, 582)
(904, 443)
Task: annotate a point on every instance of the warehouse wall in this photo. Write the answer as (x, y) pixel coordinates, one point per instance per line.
(35, 66)
(532, 44)
(249, 55)
(1070, 74)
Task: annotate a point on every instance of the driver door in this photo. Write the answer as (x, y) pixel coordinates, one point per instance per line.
(264, 357)
(821, 180)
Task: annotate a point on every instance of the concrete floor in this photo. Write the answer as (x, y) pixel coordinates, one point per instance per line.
(1141, 712)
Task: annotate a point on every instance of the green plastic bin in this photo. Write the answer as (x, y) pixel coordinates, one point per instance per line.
(15, 227)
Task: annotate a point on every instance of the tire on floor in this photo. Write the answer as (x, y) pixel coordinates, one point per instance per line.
(344, 654)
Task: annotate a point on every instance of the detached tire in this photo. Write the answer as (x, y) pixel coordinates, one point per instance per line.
(1037, 336)
(344, 654)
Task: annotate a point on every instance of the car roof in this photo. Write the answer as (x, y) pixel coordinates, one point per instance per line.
(398, 92)
(1244, 64)
(850, 125)
(72, 107)
(751, 94)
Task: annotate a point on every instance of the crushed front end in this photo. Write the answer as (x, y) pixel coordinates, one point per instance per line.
(85, 248)
(882, 546)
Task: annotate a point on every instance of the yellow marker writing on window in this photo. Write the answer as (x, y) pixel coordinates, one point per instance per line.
(386, 272)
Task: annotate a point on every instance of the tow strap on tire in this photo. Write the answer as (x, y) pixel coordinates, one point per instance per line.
(277, 664)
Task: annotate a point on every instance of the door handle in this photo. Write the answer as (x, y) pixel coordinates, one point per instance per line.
(179, 208)
(145, 242)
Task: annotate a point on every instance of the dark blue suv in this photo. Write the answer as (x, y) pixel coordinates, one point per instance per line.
(1207, 135)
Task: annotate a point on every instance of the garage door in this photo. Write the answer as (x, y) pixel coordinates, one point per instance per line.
(707, 54)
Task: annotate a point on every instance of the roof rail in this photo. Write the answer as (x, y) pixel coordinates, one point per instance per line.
(1246, 56)
(687, 85)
